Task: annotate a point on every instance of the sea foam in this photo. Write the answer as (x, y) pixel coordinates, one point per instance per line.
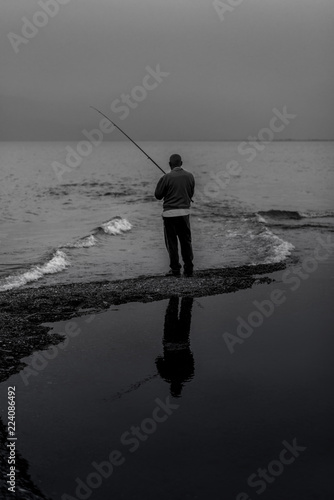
(58, 262)
(86, 242)
(116, 226)
(280, 249)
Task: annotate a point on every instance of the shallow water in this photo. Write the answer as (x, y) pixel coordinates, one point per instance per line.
(231, 411)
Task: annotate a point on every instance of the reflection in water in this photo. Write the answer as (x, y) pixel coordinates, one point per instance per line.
(177, 366)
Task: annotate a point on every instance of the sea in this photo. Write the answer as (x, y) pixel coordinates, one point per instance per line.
(96, 218)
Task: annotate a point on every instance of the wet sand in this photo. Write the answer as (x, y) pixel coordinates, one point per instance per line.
(230, 413)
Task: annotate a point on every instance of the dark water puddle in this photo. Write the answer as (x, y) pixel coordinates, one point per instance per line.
(145, 401)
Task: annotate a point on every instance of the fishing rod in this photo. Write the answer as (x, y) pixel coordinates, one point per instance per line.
(126, 135)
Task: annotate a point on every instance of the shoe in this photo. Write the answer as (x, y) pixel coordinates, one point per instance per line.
(175, 274)
(188, 275)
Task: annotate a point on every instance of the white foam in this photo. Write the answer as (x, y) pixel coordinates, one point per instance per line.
(232, 234)
(319, 215)
(116, 226)
(56, 264)
(281, 248)
(260, 218)
(89, 241)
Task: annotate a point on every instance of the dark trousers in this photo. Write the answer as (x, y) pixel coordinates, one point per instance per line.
(178, 229)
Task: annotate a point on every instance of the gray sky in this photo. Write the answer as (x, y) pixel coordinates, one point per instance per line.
(225, 76)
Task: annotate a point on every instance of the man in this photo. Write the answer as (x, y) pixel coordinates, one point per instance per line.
(177, 189)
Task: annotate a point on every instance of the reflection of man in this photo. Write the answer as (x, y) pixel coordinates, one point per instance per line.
(177, 364)
(177, 189)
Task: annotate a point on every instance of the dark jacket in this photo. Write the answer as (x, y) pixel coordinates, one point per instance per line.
(176, 189)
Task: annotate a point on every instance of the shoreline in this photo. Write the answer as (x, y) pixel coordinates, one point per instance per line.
(23, 311)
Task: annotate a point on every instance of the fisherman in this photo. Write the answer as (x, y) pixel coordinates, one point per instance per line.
(177, 189)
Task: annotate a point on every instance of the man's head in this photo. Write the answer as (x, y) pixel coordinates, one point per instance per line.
(175, 161)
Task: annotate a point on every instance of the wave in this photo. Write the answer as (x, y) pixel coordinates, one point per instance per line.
(259, 243)
(280, 249)
(328, 227)
(281, 214)
(319, 215)
(86, 242)
(285, 219)
(58, 262)
(89, 189)
(115, 226)
(292, 215)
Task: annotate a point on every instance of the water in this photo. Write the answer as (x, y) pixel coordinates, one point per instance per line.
(100, 220)
(79, 402)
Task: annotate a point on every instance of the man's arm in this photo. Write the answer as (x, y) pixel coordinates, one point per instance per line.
(160, 189)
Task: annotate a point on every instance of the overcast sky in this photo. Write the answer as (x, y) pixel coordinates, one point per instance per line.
(226, 72)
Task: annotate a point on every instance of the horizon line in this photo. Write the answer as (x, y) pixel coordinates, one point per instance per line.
(167, 140)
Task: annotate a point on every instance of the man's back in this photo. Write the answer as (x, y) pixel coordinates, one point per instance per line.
(176, 188)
